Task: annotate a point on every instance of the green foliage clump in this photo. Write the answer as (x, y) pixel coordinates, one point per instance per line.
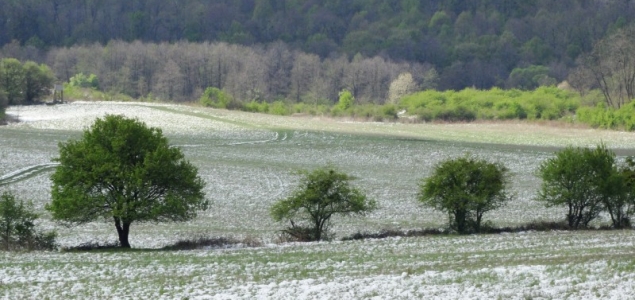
(123, 171)
(17, 226)
(373, 112)
(83, 81)
(544, 103)
(601, 116)
(465, 188)
(322, 193)
(23, 83)
(279, 108)
(3, 105)
(581, 179)
(346, 100)
(256, 106)
(217, 98)
(79, 93)
(530, 78)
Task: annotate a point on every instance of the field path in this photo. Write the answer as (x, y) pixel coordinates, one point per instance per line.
(26, 173)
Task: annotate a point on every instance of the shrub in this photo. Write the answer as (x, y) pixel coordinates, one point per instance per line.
(256, 107)
(279, 108)
(214, 97)
(465, 188)
(346, 100)
(580, 179)
(83, 81)
(322, 193)
(17, 226)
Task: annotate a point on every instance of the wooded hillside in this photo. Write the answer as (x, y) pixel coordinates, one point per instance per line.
(478, 43)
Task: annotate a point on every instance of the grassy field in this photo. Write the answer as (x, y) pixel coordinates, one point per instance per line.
(248, 161)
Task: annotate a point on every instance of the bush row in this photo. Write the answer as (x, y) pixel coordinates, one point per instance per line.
(543, 103)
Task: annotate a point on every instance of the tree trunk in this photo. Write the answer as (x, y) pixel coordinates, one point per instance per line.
(123, 229)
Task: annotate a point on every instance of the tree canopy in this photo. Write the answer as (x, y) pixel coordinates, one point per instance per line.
(580, 179)
(471, 43)
(23, 83)
(465, 188)
(321, 194)
(123, 171)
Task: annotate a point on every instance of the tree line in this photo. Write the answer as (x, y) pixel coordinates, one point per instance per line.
(23, 83)
(182, 71)
(124, 172)
(470, 43)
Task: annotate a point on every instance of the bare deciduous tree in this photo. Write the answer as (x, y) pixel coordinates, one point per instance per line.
(613, 66)
(306, 70)
(170, 82)
(402, 86)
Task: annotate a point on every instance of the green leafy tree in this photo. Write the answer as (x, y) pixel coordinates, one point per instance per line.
(346, 100)
(38, 80)
(83, 81)
(17, 226)
(217, 98)
(123, 171)
(465, 188)
(3, 95)
(618, 191)
(321, 194)
(12, 80)
(581, 179)
(3, 105)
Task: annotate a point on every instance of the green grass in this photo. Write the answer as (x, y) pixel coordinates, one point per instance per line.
(251, 163)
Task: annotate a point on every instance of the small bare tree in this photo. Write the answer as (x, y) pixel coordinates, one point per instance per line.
(613, 67)
(402, 86)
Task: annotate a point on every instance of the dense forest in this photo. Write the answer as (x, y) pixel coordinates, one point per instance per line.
(309, 51)
(470, 43)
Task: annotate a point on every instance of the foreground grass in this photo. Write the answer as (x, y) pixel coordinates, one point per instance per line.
(547, 265)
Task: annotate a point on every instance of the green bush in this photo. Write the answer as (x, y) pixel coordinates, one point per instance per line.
(17, 226)
(465, 188)
(321, 194)
(83, 81)
(587, 182)
(544, 103)
(605, 117)
(389, 112)
(217, 98)
(257, 107)
(346, 100)
(279, 108)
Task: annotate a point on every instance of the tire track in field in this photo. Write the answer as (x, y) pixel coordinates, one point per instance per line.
(26, 173)
(279, 136)
(272, 184)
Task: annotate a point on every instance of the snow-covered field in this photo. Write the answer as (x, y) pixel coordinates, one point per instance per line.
(248, 162)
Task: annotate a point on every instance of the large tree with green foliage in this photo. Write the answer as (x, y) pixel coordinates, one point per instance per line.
(322, 193)
(465, 188)
(38, 81)
(123, 171)
(12, 80)
(618, 193)
(583, 180)
(23, 83)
